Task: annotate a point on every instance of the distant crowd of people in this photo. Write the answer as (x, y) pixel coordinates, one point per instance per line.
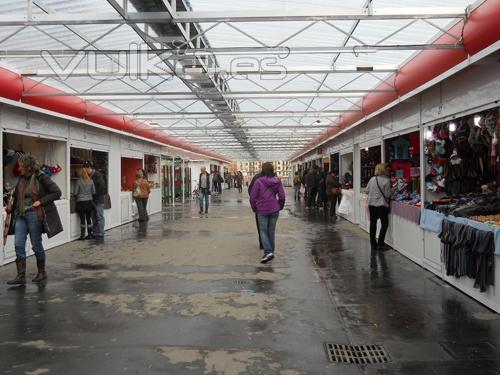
(321, 188)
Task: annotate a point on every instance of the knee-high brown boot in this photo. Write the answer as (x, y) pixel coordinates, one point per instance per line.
(21, 273)
(41, 275)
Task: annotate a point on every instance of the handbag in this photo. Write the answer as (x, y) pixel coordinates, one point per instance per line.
(388, 201)
(107, 201)
(335, 190)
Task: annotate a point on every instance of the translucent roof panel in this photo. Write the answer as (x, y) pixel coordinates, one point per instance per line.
(319, 66)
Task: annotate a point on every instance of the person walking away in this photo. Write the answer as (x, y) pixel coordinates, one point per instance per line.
(304, 175)
(204, 186)
(240, 181)
(33, 213)
(218, 181)
(267, 200)
(333, 192)
(100, 191)
(142, 189)
(296, 185)
(312, 185)
(84, 193)
(321, 200)
(379, 194)
(250, 187)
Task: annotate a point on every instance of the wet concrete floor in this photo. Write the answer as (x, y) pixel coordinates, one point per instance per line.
(186, 294)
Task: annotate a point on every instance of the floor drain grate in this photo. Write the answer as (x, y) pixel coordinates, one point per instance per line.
(241, 282)
(357, 354)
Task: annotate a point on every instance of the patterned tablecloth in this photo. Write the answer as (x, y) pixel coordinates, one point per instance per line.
(406, 211)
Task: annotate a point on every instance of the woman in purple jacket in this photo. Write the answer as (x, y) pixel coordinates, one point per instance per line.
(267, 199)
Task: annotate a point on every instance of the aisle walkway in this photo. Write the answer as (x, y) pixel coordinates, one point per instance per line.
(185, 294)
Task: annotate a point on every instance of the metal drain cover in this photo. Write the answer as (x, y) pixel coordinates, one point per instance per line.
(357, 354)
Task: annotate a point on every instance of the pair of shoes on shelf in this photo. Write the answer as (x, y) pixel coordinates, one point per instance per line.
(266, 258)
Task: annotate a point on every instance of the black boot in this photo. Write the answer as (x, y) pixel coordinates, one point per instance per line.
(20, 279)
(41, 275)
(82, 233)
(90, 232)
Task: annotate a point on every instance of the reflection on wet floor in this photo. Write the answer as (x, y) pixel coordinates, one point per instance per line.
(185, 294)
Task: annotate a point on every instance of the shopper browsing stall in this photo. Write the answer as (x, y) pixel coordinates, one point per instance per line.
(33, 213)
(379, 195)
(142, 189)
(100, 191)
(84, 192)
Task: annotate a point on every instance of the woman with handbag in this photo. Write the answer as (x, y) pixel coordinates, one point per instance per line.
(142, 189)
(84, 192)
(379, 196)
(33, 213)
(333, 191)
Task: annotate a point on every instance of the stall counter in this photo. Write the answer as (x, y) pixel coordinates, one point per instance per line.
(347, 201)
(154, 201)
(127, 213)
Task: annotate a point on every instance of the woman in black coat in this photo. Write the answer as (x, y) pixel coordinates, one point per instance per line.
(33, 213)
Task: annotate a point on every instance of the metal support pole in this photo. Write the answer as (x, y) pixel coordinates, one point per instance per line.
(173, 181)
(183, 174)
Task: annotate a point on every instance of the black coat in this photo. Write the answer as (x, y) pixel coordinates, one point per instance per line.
(49, 192)
(100, 187)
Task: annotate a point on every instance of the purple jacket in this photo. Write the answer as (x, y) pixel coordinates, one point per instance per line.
(263, 196)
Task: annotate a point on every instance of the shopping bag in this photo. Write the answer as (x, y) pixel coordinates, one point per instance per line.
(345, 207)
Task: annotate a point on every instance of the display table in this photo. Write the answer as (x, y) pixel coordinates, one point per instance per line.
(407, 236)
(154, 201)
(406, 211)
(348, 202)
(127, 214)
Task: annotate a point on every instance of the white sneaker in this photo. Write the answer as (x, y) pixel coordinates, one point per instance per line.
(267, 257)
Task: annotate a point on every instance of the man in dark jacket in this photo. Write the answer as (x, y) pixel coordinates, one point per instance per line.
(312, 185)
(252, 183)
(100, 191)
(204, 188)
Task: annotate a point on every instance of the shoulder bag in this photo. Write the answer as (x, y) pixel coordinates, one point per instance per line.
(387, 200)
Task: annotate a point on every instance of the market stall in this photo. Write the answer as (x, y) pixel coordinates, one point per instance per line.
(51, 154)
(461, 217)
(129, 167)
(402, 154)
(100, 160)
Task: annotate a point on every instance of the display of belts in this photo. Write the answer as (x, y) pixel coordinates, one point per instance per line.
(462, 201)
(403, 157)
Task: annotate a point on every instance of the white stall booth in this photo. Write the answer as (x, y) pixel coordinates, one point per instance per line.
(45, 138)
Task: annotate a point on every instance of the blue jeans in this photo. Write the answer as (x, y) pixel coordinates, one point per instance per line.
(203, 196)
(99, 219)
(267, 229)
(28, 224)
(297, 192)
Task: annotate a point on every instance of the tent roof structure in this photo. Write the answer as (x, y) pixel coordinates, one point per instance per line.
(249, 79)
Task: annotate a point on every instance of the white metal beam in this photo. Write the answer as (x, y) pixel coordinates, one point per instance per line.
(266, 15)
